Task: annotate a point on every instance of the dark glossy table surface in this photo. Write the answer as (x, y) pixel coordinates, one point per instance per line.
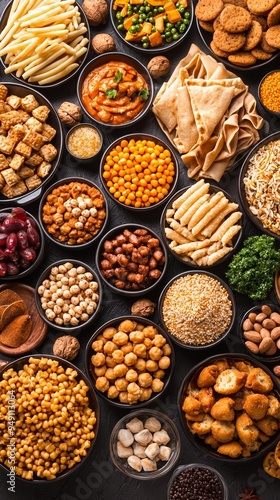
(97, 478)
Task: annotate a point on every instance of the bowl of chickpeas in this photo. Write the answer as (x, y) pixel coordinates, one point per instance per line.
(130, 361)
(131, 260)
(139, 172)
(68, 295)
(60, 452)
(73, 213)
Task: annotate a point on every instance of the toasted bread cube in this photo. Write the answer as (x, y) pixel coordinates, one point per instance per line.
(6, 145)
(14, 101)
(34, 124)
(33, 139)
(34, 160)
(10, 176)
(2, 181)
(3, 131)
(3, 92)
(49, 152)
(48, 132)
(33, 182)
(13, 191)
(3, 162)
(25, 172)
(28, 103)
(23, 115)
(17, 132)
(44, 169)
(2, 106)
(10, 118)
(41, 113)
(16, 162)
(23, 149)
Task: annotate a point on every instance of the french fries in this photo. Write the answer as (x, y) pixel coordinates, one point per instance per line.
(201, 225)
(43, 41)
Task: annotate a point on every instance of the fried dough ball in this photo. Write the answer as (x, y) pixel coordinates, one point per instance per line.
(256, 405)
(268, 425)
(247, 432)
(191, 406)
(259, 381)
(207, 376)
(232, 449)
(230, 381)
(206, 398)
(223, 431)
(223, 409)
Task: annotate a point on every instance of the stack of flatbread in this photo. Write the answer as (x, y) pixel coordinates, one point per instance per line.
(208, 114)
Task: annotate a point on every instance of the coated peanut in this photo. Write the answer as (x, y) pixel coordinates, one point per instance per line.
(261, 331)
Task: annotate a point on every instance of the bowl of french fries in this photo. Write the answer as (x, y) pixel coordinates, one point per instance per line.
(201, 225)
(33, 144)
(43, 45)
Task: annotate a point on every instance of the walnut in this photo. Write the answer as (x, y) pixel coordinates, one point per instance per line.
(143, 307)
(96, 11)
(69, 113)
(103, 43)
(158, 66)
(66, 347)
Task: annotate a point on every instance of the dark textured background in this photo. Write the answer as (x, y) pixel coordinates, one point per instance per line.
(97, 478)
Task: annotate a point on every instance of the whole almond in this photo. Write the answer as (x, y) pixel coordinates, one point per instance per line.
(257, 327)
(253, 336)
(271, 350)
(275, 333)
(252, 346)
(276, 317)
(278, 343)
(247, 325)
(265, 344)
(276, 370)
(260, 317)
(264, 333)
(252, 317)
(269, 323)
(266, 310)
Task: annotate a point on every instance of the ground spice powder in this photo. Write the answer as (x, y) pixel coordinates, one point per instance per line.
(270, 91)
(197, 309)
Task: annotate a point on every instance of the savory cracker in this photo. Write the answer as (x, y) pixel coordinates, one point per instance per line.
(273, 16)
(265, 46)
(260, 54)
(228, 42)
(235, 19)
(272, 36)
(261, 6)
(207, 10)
(253, 36)
(242, 59)
(217, 51)
(207, 26)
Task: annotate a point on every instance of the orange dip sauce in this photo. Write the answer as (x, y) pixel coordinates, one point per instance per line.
(112, 92)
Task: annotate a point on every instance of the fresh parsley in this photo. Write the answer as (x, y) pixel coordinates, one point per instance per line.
(118, 76)
(251, 271)
(144, 94)
(111, 93)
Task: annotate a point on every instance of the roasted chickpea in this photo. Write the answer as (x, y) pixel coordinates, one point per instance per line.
(131, 375)
(100, 370)
(145, 394)
(150, 332)
(120, 370)
(159, 340)
(127, 348)
(145, 379)
(109, 347)
(98, 359)
(121, 384)
(166, 349)
(136, 336)
(151, 365)
(155, 353)
(109, 332)
(140, 350)
(112, 392)
(164, 363)
(127, 326)
(140, 365)
(130, 359)
(120, 338)
(102, 384)
(110, 374)
(157, 385)
(118, 356)
(123, 397)
(159, 373)
(97, 345)
(110, 362)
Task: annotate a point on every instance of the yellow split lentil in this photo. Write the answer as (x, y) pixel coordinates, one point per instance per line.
(139, 173)
(270, 91)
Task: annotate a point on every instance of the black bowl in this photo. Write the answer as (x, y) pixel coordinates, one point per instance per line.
(186, 259)
(206, 37)
(195, 319)
(62, 326)
(53, 120)
(272, 112)
(128, 291)
(63, 79)
(263, 358)
(40, 252)
(139, 137)
(190, 382)
(92, 376)
(241, 187)
(159, 49)
(65, 245)
(93, 403)
(122, 58)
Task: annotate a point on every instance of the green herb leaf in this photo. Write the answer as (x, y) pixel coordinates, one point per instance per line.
(144, 94)
(251, 271)
(118, 76)
(111, 93)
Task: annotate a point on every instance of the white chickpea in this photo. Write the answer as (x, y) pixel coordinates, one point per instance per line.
(47, 294)
(82, 219)
(88, 276)
(89, 202)
(72, 272)
(41, 290)
(74, 300)
(82, 205)
(68, 265)
(90, 309)
(57, 309)
(50, 314)
(88, 292)
(66, 294)
(74, 203)
(64, 280)
(86, 213)
(71, 281)
(58, 321)
(78, 310)
(81, 270)
(74, 289)
(54, 270)
(54, 297)
(62, 269)
(84, 317)
(76, 212)
(44, 306)
(71, 311)
(83, 305)
(59, 292)
(95, 297)
(66, 318)
(79, 226)
(60, 302)
(51, 304)
(83, 284)
(74, 321)
(65, 308)
(93, 211)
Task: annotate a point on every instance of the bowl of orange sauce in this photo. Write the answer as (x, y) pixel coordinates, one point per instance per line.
(115, 90)
(84, 142)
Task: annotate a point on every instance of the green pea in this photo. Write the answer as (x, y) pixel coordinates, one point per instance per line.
(135, 20)
(176, 36)
(153, 30)
(173, 31)
(187, 15)
(151, 20)
(155, 11)
(169, 26)
(118, 16)
(160, 10)
(146, 45)
(147, 8)
(169, 39)
(167, 33)
(132, 29)
(182, 28)
(143, 16)
(120, 27)
(181, 9)
(142, 8)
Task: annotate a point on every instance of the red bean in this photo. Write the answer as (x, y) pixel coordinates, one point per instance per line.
(23, 241)
(11, 242)
(3, 268)
(33, 237)
(28, 253)
(12, 268)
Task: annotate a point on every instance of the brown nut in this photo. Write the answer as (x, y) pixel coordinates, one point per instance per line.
(143, 307)
(158, 66)
(265, 333)
(278, 343)
(260, 317)
(266, 309)
(265, 344)
(276, 317)
(252, 317)
(257, 327)
(252, 336)
(268, 323)
(276, 370)
(275, 333)
(69, 113)
(271, 350)
(66, 347)
(247, 325)
(252, 347)
(102, 43)
(97, 11)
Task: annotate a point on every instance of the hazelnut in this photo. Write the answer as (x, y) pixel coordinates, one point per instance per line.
(276, 370)
(143, 307)
(158, 66)
(103, 43)
(96, 11)
(67, 347)
(69, 113)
